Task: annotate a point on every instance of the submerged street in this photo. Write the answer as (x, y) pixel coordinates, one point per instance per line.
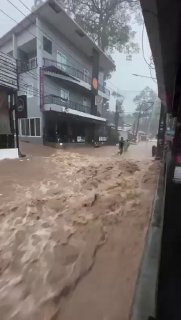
(73, 228)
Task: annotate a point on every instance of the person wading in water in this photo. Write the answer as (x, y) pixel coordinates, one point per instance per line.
(121, 145)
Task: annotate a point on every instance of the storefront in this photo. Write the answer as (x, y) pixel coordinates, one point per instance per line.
(71, 128)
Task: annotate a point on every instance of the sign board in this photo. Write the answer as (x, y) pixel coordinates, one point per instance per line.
(22, 107)
(98, 100)
(8, 72)
(4, 113)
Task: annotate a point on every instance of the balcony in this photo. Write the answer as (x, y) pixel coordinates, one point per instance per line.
(27, 65)
(55, 67)
(51, 99)
(67, 69)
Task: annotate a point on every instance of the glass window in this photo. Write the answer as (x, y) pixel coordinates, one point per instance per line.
(25, 131)
(61, 61)
(27, 127)
(37, 125)
(47, 45)
(64, 94)
(32, 127)
(86, 75)
(32, 63)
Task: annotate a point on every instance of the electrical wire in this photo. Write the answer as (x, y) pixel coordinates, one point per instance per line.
(1, 10)
(49, 36)
(43, 31)
(152, 76)
(113, 86)
(142, 42)
(24, 5)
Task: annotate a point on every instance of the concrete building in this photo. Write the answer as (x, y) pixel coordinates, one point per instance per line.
(61, 72)
(8, 94)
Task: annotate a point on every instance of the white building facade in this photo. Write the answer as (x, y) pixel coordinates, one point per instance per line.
(57, 70)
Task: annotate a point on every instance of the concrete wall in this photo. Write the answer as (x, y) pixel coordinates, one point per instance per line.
(27, 35)
(24, 37)
(7, 47)
(53, 86)
(59, 42)
(34, 140)
(33, 103)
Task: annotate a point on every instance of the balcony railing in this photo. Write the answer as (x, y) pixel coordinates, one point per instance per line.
(80, 74)
(51, 99)
(104, 90)
(27, 65)
(68, 69)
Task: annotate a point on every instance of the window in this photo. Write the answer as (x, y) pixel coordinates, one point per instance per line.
(86, 75)
(47, 45)
(32, 63)
(25, 127)
(37, 126)
(61, 61)
(64, 94)
(30, 127)
(29, 90)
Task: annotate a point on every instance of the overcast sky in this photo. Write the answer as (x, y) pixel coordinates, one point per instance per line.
(122, 80)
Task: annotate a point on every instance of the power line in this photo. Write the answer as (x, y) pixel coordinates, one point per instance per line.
(8, 16)
(113, 86)
(48, 35)
(154, 80)
(143, 51)
(42, 30)
(24, 5)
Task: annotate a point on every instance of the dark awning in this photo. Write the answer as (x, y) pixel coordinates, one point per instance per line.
(163, 19)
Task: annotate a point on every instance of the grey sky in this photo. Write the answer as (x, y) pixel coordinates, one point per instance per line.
(122, 80)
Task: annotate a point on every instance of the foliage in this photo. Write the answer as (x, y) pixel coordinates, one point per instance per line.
(108, 22)
(145, 103)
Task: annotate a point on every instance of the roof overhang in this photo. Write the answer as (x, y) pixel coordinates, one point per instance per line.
(162, 19)
(69, 111)
(53, 13)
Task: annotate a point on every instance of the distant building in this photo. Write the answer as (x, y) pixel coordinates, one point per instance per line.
(61, 71)
(124, 132)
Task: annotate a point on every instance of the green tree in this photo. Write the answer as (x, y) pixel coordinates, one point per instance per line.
(108, 22)
(145, 101)
(144, 107)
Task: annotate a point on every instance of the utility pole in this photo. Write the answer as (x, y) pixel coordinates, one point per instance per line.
(161, 133)
(119, 103)
(138, 121)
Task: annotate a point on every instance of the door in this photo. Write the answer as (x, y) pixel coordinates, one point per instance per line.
(61, 61)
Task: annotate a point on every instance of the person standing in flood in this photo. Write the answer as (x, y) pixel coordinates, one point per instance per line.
(121, 145)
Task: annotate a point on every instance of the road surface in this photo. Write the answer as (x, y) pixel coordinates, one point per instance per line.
(73, 227)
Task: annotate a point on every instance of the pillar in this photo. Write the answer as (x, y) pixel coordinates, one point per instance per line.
(15, 48)
(95, 77)
(161, 133)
